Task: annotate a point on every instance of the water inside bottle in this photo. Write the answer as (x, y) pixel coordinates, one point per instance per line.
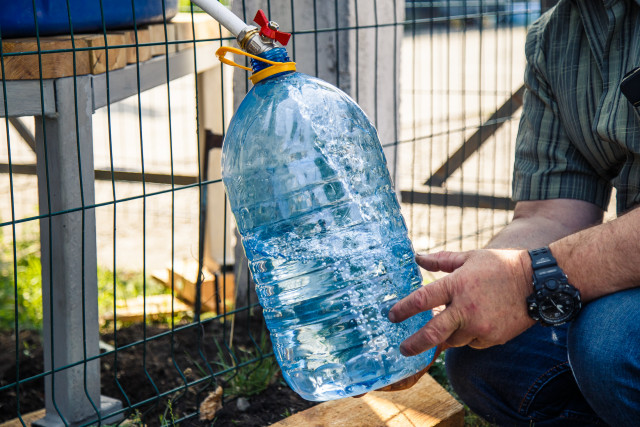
(326, 242)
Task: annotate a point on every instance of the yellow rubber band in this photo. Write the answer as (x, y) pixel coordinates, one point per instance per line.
(276, 67)
(280, 67)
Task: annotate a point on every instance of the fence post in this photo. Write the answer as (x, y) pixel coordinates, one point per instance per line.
(215, 101)
(68, 254)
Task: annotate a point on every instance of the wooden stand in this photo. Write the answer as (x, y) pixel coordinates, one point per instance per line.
(82, 54)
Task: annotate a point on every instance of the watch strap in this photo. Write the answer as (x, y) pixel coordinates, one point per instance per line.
(541, 258)
(544, 264)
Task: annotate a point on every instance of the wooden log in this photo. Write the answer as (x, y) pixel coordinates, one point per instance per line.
(424, 404)
(54, 63)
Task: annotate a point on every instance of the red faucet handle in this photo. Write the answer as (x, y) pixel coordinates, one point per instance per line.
(267, 31)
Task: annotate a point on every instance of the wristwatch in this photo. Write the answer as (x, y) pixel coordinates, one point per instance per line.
(554, 300)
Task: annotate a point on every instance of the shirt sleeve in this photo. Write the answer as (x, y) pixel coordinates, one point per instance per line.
(547, 165)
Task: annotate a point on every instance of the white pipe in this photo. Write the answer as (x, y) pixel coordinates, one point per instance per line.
(224, 16)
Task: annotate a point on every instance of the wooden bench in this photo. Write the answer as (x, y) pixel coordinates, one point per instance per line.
(424, 404)
(58, 53)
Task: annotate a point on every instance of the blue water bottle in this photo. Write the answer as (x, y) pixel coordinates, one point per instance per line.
(321, 226)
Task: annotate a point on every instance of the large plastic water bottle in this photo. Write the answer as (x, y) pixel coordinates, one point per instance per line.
(321, 226)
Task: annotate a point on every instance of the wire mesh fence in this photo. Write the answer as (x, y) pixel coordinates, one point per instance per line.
(123, 292)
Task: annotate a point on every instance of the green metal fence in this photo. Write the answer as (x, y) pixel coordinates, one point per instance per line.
(123, 295)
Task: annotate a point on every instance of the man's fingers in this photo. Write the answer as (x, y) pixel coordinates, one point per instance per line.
(459, 339)
(405, 383)
(422, 299)
(435, 332)
(442, 261)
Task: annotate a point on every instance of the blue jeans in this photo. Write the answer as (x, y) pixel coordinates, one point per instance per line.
(587, 373)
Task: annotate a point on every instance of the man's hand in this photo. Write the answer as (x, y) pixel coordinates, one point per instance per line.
(485, 298)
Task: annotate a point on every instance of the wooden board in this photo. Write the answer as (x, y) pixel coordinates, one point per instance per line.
(157, 39)
(28, 419)
(60, 64)
(98, 57)
(54, 64)
(143, 52)
(216, 289)
(89, 60)
(424, 404)
(200, 27)
(154, 306)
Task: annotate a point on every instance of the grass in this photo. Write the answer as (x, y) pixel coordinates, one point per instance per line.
(251, 370)
(21, 286)
(26, 272)
(168, 419)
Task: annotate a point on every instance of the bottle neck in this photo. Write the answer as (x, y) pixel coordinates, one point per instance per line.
(278, 54)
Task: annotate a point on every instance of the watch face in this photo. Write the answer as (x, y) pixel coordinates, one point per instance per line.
(557, 307)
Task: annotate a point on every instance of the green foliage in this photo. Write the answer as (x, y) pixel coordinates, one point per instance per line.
(287, 413)
(127, 285)
(168, 419)
(26, 272)
(438, 372)
(135, 419)
(250, 372)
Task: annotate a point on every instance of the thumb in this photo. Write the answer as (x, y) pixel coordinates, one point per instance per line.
(442, 261)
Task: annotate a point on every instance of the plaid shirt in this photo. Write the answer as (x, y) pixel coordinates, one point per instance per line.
(578, 134)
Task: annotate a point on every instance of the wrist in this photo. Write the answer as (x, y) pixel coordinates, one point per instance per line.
(527, 273)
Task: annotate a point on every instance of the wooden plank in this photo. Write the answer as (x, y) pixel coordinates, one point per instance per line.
(424, 404)
(143, 52)
(151, 42)
(107, 175)
(124, 82)
(27, 418)
(475, 141)
(98, 57)
(200, 27)
(465, 200)
(54, 64)
(216, 289)
(157, 36)
(154, 306)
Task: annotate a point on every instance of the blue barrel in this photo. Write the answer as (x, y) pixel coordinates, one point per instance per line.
(54, 17)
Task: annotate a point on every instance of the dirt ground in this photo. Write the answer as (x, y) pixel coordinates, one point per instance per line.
(142, 371)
